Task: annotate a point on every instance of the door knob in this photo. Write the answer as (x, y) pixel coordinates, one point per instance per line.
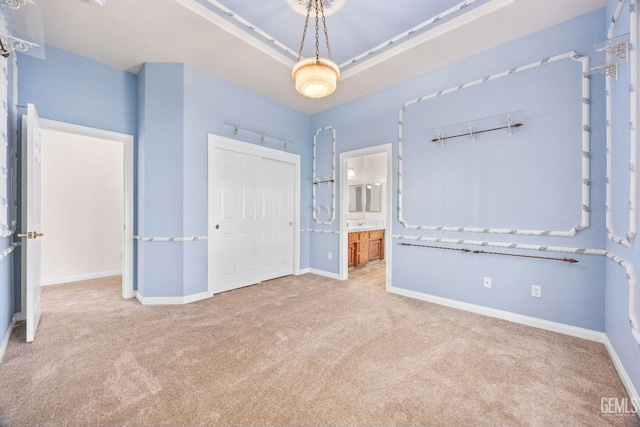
(31, 234)
(217, 226)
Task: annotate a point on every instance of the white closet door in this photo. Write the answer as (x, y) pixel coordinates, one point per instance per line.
(251, 217)
(277, 214)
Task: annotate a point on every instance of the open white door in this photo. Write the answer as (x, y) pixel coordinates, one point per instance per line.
(31, 162)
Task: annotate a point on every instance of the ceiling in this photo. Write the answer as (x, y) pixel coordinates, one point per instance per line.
(254, 44)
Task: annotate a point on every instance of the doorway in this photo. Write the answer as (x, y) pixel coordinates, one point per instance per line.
(87, 203)
(365, 214)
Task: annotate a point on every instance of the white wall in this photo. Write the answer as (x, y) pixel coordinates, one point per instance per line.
(82, 207)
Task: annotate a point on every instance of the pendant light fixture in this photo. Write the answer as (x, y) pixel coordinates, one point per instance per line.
(315, 77)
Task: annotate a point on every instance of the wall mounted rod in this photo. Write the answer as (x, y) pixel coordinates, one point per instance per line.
(480, 252)
(475, 132)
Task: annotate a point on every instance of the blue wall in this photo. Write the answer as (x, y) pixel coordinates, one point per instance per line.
(617, 290)
(530, 180)
(172, 107)
(69, 88)
(180, 106)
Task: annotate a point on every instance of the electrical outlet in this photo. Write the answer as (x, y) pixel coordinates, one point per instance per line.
(487, 282)
(330, 256)
(536, 291)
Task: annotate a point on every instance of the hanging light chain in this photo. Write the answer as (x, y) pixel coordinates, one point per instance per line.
(326, 34)
(317, 28)
(319, 6)
(304, 32)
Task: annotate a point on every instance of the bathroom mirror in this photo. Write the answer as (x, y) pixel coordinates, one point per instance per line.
(355, 198)
(372, 197)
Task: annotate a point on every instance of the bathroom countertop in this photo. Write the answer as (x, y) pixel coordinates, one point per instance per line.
(364, 228)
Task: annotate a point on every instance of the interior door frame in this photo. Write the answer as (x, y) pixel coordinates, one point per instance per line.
(127, 151)
(344, 208)
(224, 143)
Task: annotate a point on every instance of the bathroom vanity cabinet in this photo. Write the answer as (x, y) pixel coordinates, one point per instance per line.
(365, 246)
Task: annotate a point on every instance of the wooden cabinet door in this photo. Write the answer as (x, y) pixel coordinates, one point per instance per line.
(353, 254)
(374, 249)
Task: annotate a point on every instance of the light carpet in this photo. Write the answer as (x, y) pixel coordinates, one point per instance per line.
(296, 351)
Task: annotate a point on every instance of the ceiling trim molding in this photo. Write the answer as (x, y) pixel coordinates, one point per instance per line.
(457, 22)
(249, 38)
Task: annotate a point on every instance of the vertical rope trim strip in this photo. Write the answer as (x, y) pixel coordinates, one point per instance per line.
(628, 240)
(629, 269)
(586, 153)
(333, 175)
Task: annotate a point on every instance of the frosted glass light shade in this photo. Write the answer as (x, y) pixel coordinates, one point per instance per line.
(315, 77)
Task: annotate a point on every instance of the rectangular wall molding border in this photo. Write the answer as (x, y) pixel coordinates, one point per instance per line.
(548, 325)
(328, 180)
(7, 336)
(586, 153)
(633, 130)
(171, 300)
(80, 278)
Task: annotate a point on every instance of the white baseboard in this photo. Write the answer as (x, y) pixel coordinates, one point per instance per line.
(7, 336)
(622, 373)
(324, 274)
(19, 317)
(79, 278)
(303, 271)
(561, 328)
(171, 300)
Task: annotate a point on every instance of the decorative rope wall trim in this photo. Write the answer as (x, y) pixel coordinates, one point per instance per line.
(169, 239)
(320, 181)
(281, 46)
(7, 251)
(630, 271)
(311, 230)
(8, 231)
(408, 33)
(586, 153)
(633, 131)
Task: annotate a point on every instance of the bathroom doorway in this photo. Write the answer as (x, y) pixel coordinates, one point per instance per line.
(365, 220)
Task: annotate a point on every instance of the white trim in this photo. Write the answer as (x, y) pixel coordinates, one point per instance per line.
(561, 328)
(224, 143)
(455, 23)
(344, 214)
(585, 207)
(171, 300)
(627, 240)
(318, 181)
(7, 336)
(303, 271)
(79, 278)
(324, 274)
(127, 148)
(622, 372)
(249, 38)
